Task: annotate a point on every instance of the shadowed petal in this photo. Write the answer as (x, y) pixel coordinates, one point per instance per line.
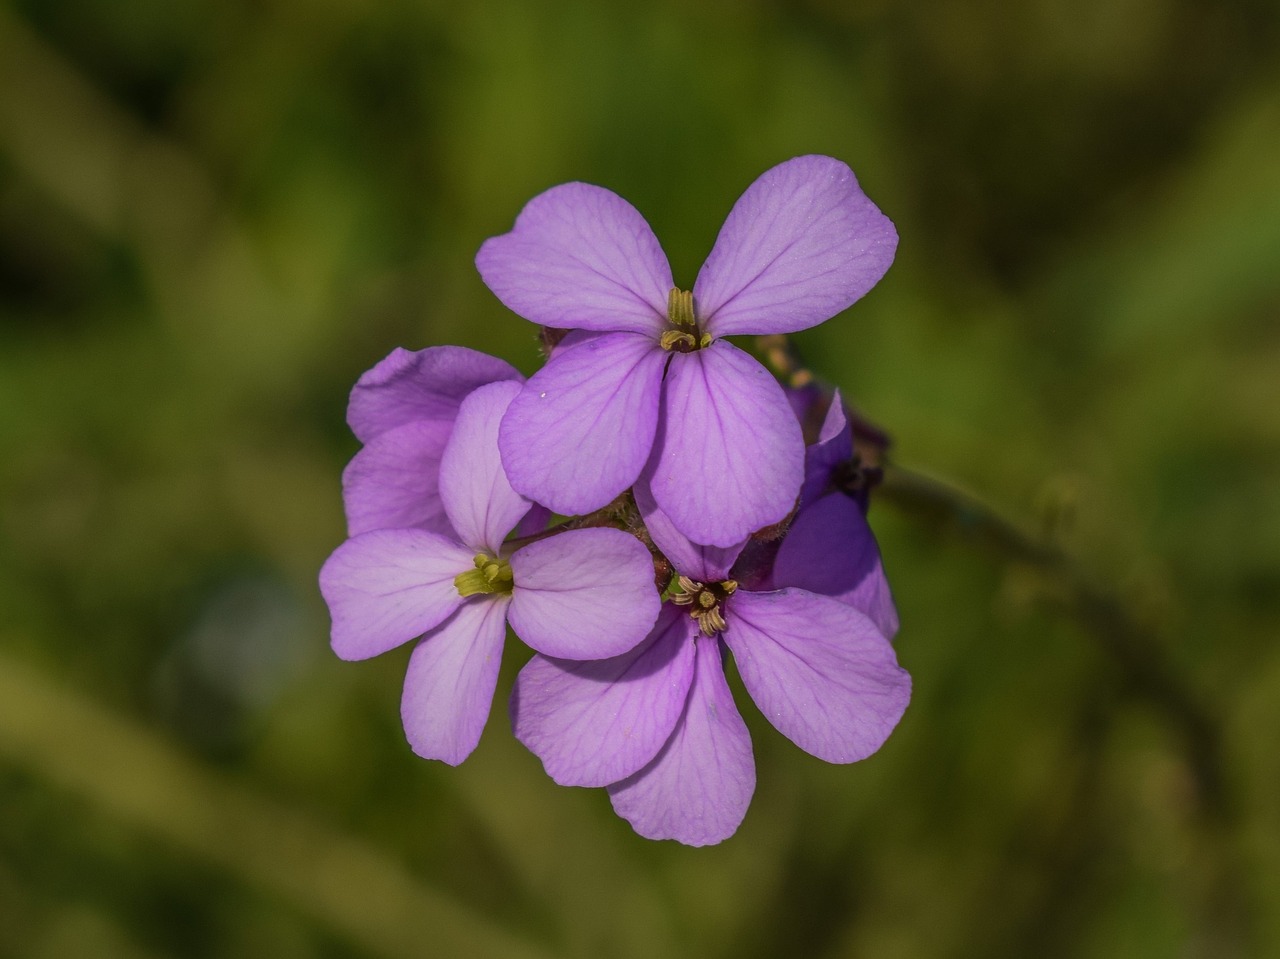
(387, 586)
(393, 483)
(448, 688)
(422, 385)
(703, 563)
(819, 671)
(594, 723)
(580, 257)
(697, 789)
(831, 550)
(731, 457)
(580, 431)
(802, 244)
(834, 446)
(478, 499)
(583, 594)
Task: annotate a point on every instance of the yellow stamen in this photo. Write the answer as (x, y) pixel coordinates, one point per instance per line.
(491, 575)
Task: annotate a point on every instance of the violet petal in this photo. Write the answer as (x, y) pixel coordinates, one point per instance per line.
(834, 446)
(831, 550)
(583, 594)
(702, 563)
(580, 431)
(448, 689)
(731, 456)
(580, 257)
(800, 245)
(420, 385)
(594, 723)
(478, 498)
(819, 671)
(394, 482)
(387, 586)
(697, 789)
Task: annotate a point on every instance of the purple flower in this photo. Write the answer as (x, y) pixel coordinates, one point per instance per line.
(802, 244)
(581, 594)
(403, 411)
(657, 725)
(829, 548)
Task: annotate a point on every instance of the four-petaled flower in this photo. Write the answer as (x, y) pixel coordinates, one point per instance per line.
(800, 245)
(579, 594)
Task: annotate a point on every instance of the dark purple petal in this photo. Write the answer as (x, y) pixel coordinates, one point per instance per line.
(731, 456)
(394, 482)
(583, 594)
(448, 688)
(580, 431)
(834, 446)
(594, 723)
(831, 550)
(387, 586)
(799, 246)
(697, 789)
(580, 257)
(478, 499)
(703, 563)
(819, 671)
(423, 385)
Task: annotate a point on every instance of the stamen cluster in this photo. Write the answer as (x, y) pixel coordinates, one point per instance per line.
(671, 451)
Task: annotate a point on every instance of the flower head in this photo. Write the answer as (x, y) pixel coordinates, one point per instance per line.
(649, 377)
(658, 726)
(579, 594)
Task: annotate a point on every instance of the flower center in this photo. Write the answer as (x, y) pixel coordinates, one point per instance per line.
(491, 575)
(707, 600)
(684, 335)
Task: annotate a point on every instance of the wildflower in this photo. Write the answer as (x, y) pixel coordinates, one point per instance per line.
(657, 725)
(800, 245)
(581, 594)
(403, 411)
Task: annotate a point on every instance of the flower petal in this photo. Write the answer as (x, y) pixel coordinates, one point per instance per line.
(583, 594)
(387, 586)
(702, 563)
(448, 688)
(831, 550)
(580, 431)
(393, 483)
(422, 385)
(478, 498)
(819, 671)
(697, 789)
(802, 244)
(834, 446)
(580, 257)
(594, 723)
(730, 457)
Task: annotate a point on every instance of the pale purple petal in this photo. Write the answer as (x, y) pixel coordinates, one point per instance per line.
(478, 499)
(702, 563)
(594, 723)
(697, 789)
(387, 586)
(583, 594)
(422, 385)
(448, 688)
(802, 244)
(819, 671)
(580, 431)
(535, 521)
(834, 446)
(580, 257)
(731, 456)
(831, 550)
(393, 483)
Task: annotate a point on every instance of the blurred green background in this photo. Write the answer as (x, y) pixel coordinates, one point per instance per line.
(215, 214)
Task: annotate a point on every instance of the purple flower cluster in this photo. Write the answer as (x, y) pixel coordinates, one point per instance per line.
(698, 524)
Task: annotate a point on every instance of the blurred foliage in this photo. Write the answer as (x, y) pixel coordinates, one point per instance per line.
(215, 215)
